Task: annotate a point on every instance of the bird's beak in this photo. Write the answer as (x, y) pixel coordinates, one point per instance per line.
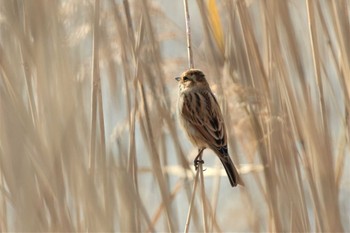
(177, 78)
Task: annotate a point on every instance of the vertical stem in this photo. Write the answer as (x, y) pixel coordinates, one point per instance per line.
(188, 220)
(188, 36)
(204, 206)
(94, 85)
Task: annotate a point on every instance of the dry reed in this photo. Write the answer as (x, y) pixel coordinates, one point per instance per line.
(88, 132)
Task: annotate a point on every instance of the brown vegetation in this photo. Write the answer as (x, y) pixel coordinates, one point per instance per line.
(88, 135)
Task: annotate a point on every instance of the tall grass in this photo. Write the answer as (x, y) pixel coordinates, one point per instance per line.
(89, 139)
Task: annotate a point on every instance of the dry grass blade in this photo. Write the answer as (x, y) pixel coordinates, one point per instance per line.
(188, 35)
(203, 197)
(189, 213)
(89, 139)
(95, 85)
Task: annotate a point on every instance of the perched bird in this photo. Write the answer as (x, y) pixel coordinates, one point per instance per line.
(201, 118)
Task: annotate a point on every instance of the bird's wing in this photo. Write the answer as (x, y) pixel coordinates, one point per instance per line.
(202, 110)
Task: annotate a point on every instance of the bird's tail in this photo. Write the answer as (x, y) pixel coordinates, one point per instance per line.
(231, 170)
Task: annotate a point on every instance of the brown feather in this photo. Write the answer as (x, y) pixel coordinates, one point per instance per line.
(202, 119)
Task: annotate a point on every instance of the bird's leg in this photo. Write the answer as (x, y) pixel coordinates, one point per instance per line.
(198, 158)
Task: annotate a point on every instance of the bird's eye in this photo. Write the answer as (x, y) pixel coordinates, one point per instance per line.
(185, 78)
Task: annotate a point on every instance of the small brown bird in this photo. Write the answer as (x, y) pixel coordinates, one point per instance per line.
(201, 117)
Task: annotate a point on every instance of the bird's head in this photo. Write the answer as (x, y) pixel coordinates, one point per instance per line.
(192, 78)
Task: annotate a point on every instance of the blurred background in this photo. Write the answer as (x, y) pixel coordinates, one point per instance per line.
(89, 139)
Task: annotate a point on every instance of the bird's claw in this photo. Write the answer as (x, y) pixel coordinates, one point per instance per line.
(198, 161)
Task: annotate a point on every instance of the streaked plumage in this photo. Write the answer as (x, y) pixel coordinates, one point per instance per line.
(201, 117)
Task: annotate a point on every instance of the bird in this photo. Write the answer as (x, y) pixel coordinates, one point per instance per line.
(201, 118)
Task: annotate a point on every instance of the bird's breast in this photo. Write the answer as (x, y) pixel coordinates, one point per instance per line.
(192, 132)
